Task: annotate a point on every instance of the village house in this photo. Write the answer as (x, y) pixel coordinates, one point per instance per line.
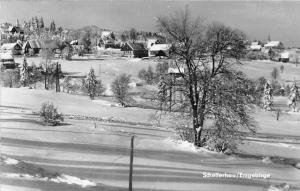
(134, 50)
(12, 48)
(7, 61)
(284, 57)
(32, 47)
(255, 46)
(274, 45)
(151, 42)
(159, 50)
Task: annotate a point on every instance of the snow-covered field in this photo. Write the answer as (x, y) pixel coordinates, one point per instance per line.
(98, 152)
(86, 153)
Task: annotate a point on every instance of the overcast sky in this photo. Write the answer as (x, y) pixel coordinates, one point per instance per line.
(280, 19)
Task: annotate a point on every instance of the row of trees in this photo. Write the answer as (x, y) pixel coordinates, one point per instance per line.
(120, 87)
(36, 26)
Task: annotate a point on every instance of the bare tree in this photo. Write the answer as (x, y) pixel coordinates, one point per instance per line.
(212, 89)
(133, 34)
(47, 55)
(120, 88)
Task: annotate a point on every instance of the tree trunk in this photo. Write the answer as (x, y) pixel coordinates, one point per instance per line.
(57, 86)
(46, 80)
(198, 122)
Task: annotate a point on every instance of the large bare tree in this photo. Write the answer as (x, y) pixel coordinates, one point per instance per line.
(211, 87)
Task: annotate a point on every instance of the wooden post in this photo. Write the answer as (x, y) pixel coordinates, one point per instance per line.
(131, 164)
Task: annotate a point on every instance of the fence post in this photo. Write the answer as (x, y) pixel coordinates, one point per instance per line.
(131, 164)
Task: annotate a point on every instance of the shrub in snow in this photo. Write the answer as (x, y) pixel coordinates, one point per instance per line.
(256, 55)
(50, 115)
(147, 75)
(220, 141)
(67, 84)
(67, 53)
(100, 88)
(10, 78)
(185, 132)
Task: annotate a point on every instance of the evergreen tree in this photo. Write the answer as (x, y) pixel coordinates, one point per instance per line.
(133, 34)
(41, 23)
(86, 41)
(60, 30)
(36, 21)
(112, 36)
(91, 83)
(24, 73)
(17, 23)
(52, 27)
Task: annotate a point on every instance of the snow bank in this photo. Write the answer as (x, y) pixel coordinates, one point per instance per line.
(60, 179)
(135, 59)
(293, 112)
(72, 180)
(8, 161)
(184, 146)
(267, 160)
(280, 187)
(103, 102)
(18, 175)
(11, 161)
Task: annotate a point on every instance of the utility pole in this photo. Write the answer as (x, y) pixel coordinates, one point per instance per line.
(131, 164)
(99, 69)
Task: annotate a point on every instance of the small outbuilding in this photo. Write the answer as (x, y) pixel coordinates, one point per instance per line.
(255, 46)
(134, 50)
(7, 61)
(159, 50)
(284, 57)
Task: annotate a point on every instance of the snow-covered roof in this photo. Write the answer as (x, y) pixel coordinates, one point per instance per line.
(255, 47)
(176, 70)
(284, 55)
(9, 46)
(272, 44)
(254, 43)
(135, 46)
(6, 56)
(74, 42)
(105, 34)
(33, 44)
(150, 42)
(10, 28)
(158, 47)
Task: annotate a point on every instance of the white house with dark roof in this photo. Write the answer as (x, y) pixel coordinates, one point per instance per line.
(159, 50)
(255, 46)
(136, 50)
